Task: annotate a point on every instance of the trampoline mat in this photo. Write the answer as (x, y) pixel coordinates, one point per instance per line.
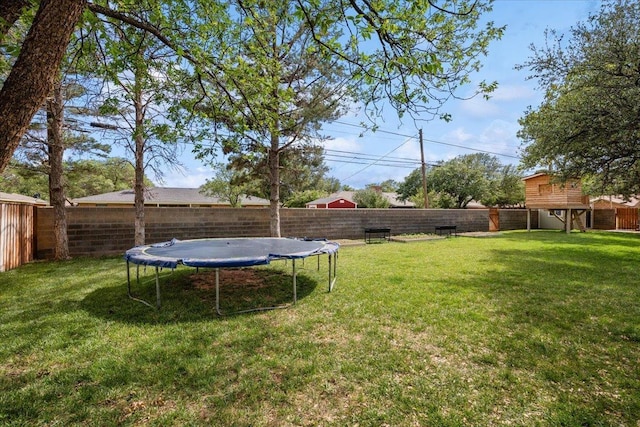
(236, 252)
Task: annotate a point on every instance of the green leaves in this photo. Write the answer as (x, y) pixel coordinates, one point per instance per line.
(588, 124)
(370, 198)
(226, 186)
(455, 183)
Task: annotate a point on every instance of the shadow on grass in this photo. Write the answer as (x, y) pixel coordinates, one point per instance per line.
(189, 296)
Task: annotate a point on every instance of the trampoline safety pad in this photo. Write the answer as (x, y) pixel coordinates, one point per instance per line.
(229, 253)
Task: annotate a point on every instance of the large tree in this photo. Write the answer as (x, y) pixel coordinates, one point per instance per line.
(278, 70)
(464, 178)
(33, 75)
(87, 177)
(272, 88)
(225, 185)
(456, 182)
(302, 168)
(507, 188)
(412, 55)
(137, 102)
(84, 177)
(589, 121)
(56, 130)
(23, 178)
(370, 198)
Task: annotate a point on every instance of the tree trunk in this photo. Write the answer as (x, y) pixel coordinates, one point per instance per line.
(274, 184)
(32, 76)
(55, 142)
(139, 169)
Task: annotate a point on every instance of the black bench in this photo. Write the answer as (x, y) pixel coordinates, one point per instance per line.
(449, 229)
(379, 233)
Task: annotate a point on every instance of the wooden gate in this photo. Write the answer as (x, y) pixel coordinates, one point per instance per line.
(494, 219)
(16, 235)
(626, 218)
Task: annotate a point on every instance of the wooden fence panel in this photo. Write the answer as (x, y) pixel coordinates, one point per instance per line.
(626, 218)
(494, 219)
(16, 235)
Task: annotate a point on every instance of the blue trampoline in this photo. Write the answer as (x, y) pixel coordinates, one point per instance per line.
(228, 253)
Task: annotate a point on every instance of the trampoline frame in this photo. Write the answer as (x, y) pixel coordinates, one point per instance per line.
(332, 276)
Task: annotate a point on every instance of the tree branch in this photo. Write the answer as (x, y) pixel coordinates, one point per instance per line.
(10, 12)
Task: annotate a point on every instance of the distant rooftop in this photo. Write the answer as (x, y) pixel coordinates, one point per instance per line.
(165, 196)
(20, 198)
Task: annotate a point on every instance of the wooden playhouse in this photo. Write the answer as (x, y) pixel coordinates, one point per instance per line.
(565, 200)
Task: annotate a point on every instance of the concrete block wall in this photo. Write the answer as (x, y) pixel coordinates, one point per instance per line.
(350, 223)
(513, 219)
(98, 231)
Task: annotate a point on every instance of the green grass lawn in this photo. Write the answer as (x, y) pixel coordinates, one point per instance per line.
(522, 329)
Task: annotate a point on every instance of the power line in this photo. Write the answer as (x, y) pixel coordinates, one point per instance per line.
(376, 161)
(431, 140)
(365, 162)
(388, 132)
(363, 159)
(397, 162)
(473, 149)
(372, 157)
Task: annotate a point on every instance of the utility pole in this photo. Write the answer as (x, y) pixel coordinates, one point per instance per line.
(424, 172)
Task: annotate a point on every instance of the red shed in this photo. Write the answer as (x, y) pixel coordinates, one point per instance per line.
(339, 200)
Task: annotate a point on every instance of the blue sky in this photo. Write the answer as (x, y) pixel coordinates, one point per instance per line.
(477, 124)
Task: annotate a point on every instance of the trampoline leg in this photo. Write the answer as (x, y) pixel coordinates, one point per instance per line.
(218, 292)
(295, 291)
(158, 302)
(128, 280)
(332, 281)
(138, 282)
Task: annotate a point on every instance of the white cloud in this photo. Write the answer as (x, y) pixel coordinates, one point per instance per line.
(513, 93)
(352, 144)
(500, 103)
(479, 107)
(190, 178)
(459, 135)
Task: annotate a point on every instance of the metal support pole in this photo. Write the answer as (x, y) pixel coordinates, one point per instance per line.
(128, 280)
(138, 282)
(295, 290)
(158, 301)
(424, 172)
(332, 281)
(218, 292)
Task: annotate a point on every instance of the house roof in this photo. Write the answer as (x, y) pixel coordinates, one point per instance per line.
(348, 195)
(19, 198)
(632, 201)
(166, 196)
